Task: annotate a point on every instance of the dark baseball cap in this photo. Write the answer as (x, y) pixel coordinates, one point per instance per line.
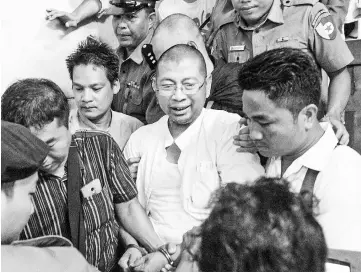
(119, 7)
(22, 153)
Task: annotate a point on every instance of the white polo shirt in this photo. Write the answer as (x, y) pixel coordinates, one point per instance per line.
(337, 187)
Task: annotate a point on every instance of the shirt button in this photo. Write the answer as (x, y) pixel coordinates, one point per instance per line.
(256, 30)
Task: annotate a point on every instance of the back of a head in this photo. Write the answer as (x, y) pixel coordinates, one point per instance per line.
(34, 103)
(93, 52)
(179, 29)
(289, 77)
(180, 52)
(261, 227)
(22, 153)
(177, 24)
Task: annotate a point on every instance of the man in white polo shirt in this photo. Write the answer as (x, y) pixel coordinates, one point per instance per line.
(281, 89)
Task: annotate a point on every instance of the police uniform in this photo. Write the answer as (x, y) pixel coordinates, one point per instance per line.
(136, 92)
(303, 24)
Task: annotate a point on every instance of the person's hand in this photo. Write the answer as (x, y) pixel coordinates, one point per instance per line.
(128, 258)
(68, 19)
(103, 12)
(242, 140)
(339, 129)
(151, 262)
(133, 163)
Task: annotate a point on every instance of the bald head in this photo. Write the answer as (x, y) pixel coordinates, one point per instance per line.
(176, 54)
(177, 23)
(179, 29)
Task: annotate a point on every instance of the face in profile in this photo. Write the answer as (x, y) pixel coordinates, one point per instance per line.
(58, 138)
(252, 10)
(131, 29)
(182, 108)
(93, 91)
(274, 130)
(16, 207)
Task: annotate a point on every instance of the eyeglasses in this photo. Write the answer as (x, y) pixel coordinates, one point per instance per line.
(169, 89)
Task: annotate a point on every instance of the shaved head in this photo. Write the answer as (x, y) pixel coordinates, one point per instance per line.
(178, 23)
(179, 29)
(178, 53)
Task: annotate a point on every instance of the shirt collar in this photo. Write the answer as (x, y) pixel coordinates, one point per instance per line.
(183, 140)
(136, 55)
(275, 15)
(317, 156)
(87, 124)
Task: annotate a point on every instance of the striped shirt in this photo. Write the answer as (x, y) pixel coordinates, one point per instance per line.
(100, 157)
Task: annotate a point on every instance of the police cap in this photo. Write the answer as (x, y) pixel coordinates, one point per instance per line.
(22, 153)
(119, 7)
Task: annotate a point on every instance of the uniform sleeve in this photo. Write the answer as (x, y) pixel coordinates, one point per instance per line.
(325, 41)
(121, 183)
(338, 10)
(234, 166)
(219, 48)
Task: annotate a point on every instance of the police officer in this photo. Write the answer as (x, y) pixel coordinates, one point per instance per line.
(260, 25)
(133, 23)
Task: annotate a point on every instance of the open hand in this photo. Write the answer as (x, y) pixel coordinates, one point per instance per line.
(68, 19)
(339, 129)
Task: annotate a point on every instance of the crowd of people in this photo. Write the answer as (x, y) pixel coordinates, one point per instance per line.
(203, 143)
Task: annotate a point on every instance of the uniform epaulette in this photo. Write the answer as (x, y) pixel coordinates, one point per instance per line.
(299, 2)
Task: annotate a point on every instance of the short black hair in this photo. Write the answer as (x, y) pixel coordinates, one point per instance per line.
(92, 51)
(261, 227)
(34, 102)
(179, 52)
(288, 76)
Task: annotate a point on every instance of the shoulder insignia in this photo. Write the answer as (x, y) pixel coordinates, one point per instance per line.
(326, 28)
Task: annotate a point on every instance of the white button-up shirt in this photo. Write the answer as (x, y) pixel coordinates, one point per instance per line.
(337, 187)
(208, 158)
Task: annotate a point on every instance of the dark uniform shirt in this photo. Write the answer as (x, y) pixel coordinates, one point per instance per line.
(100, 158)
(136, 91)
(292, 23)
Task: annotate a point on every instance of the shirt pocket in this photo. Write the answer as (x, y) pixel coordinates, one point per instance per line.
(238, 54)
(286, 41)
(203, 189)
(98, 209)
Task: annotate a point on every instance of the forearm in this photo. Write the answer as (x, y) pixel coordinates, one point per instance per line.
(338, 92)
(126, 238)
(86, 9)
(136, 222)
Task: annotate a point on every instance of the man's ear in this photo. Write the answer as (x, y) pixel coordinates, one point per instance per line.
(309, 114)
(116, 87)
(152, 20)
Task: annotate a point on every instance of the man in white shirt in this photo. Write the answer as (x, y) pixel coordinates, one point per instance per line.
(198, 10)
(93, 69)
(281, 91)
(191, 146)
